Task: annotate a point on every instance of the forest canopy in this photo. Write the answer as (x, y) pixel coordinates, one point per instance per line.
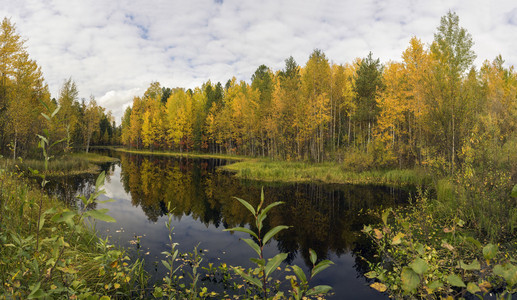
(431, 108)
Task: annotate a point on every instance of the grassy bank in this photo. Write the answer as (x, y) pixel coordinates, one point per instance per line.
(267, 170)
(179, 154)
(47, 251)
(69, 164)
(264, 169)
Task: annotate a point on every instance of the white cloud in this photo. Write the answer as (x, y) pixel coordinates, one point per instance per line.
(118, 101)
(114, 49)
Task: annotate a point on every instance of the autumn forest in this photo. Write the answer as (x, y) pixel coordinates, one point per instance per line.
(431, 114)
(431, 108)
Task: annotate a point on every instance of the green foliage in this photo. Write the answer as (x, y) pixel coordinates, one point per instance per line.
(421, 257)
(46, 251)
(175, 285)
(260, 278)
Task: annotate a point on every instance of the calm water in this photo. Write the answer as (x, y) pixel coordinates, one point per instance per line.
(326, 218)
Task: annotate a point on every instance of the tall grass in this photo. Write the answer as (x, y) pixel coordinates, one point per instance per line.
(267, 170)
(43, 257)
(65, 165)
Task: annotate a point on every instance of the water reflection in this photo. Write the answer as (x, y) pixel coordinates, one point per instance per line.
(326, 218)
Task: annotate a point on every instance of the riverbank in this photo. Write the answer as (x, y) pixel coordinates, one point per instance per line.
(178, 154)
(66, 165)
(268, 170)
(263, 169)
(48, 251)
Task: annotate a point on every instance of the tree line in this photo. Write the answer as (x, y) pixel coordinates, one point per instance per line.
(23, 94)
(428, 109)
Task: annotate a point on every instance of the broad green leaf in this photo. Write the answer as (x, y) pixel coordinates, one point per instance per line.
(253, 245)
(322, 265)
(514, 191)
(508, 272)
(299, 273)
(242, 229)
(313, 256)
(36, 292)
(100, 181)
(105, 201)
(270, 206)
(273, 232)
(385, 215)
(65, 217)
(83, 200)
(248, 278)
(419, 265)
(490, 251)
(473, 288)
(474, 265)
(420, 248)
(166, 264)
(261, 199)
(260, 219)
(273, 263)
(371, 274)
(410, 279)
(247, 205)
(258, 261)
(455, 280)
(41, 221)
(434, 285)
(319, 289)
(100, 214)
(473, 241)
(50, 211)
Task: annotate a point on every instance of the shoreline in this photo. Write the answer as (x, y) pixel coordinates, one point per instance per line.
(267, 170)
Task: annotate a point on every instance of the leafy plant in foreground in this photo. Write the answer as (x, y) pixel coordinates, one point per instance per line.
(61, 260)
(173, 286)
(261, 276)
(437, 260)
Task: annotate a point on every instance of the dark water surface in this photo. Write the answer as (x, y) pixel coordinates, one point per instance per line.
(326, 218)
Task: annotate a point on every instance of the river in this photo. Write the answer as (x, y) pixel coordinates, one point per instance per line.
(326, 218)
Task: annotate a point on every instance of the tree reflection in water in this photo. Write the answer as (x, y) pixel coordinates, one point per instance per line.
(326, 218)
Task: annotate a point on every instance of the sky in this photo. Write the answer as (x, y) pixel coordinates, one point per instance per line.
(114, 49)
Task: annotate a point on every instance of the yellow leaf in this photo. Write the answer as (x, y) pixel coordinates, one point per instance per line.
(378, 234)
(485, 286)
(379, 287)
(116, 285)
(398, 238)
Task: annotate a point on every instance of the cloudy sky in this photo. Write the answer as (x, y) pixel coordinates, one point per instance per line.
(113, 49)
